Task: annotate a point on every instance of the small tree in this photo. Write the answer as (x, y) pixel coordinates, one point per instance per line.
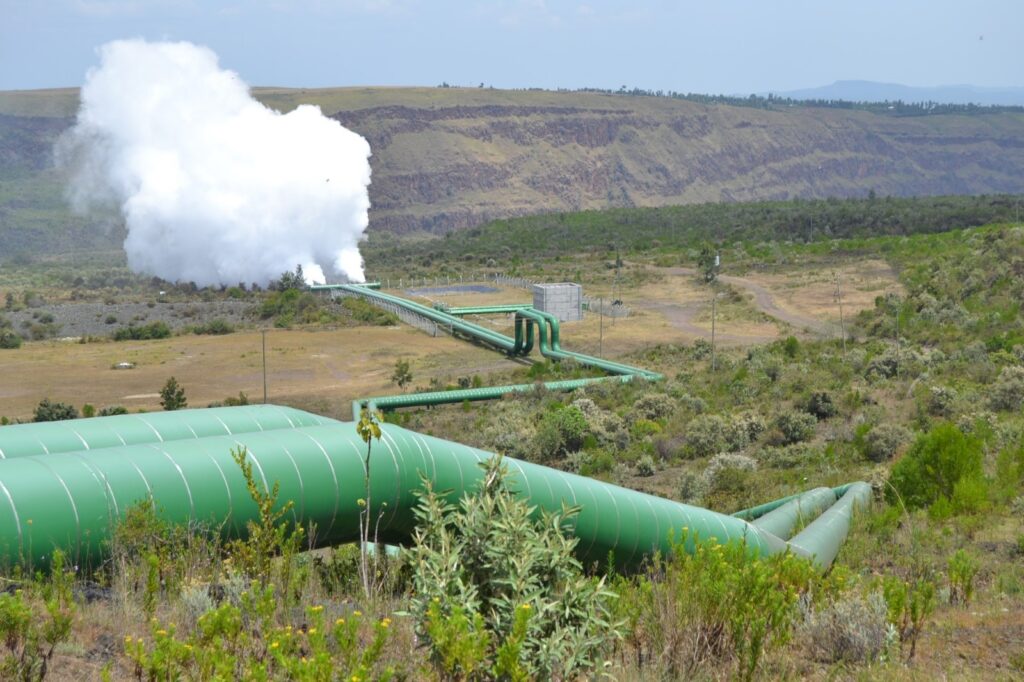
(172, 395)
(402, 374)
(707, 263)
(54, 412)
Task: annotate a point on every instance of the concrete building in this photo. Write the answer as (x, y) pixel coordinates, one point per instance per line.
(564, 300)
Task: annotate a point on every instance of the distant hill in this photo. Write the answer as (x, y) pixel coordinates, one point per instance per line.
(453, 158)
(870, 91)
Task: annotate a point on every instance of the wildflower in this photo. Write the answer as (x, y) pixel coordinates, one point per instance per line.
(340, 621)
(525, 607)
(274, 645)
(385, 623)
(162, 633)
(357, 614)
(317, 609)
(312, 631)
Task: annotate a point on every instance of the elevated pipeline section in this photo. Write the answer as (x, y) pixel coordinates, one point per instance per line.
(91, 471)
(531, 327)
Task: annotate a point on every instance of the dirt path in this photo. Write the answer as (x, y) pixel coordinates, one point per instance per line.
(682, 315)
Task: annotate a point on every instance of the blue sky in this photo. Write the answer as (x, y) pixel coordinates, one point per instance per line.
(714, 46)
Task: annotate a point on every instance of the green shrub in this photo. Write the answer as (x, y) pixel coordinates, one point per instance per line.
(820, 405)
(962, 570)
(883, 441)
(1007, 393)
(795, 427)
(706, 435)
(154, 330)
(707, 608)
(214, 327)
(9, 340)
(34, 620)
(499, 594)
(47, 411)
(362, 310)
(941, 400)
(933, 466)
(112, 410)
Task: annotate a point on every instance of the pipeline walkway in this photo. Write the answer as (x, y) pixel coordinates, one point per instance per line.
(65, 485)
(532, 327)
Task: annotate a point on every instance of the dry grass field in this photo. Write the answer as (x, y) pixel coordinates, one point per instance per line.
(325, 370)
(318, 370)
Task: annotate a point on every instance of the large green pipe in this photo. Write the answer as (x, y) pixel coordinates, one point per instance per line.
(72, 500)
(21, 440)
(823, 537)
(784, 519)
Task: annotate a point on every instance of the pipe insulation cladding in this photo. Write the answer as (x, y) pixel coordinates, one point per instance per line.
(71, 497)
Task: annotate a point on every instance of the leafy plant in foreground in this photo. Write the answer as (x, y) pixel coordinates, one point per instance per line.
(498, 594)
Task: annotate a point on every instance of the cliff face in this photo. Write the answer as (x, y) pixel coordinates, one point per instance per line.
(450, 167)
(447, 159)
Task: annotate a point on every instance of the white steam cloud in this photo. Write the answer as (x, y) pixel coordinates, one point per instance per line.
(214, 187)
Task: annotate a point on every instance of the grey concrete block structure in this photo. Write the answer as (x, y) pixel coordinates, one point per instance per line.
(564, 300)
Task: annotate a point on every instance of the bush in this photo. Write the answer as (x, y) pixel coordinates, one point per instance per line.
(853, 630)
(47, 411)
(9, 340)
(1007, 393)
(933, 466)
(711, 610)
(362, 310)
(940, 401)
(645, 466)
(155, 330)
(706, 435)
(214, 327)
(795, 427)
(654, 406)
(821, 406)
(883, 441)
(498, 594)
(111, 411)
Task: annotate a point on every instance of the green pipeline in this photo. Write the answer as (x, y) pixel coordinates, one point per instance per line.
(71, 498)
(528, 325)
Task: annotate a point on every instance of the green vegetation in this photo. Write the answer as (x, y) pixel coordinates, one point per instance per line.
(172, 395)
(48, 411)
(752, 230)
(155, 330)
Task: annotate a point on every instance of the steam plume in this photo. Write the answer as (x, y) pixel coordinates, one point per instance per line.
(214, 187)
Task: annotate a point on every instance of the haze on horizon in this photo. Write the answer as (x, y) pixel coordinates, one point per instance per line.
(733, 46)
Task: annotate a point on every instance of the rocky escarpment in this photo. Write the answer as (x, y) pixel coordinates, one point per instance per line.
(447, 159)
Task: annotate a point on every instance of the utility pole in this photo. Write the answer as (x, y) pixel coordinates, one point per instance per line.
(842, 321)
(263, 333)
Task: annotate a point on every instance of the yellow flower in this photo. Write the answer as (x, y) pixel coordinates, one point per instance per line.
(385, 623)
(275, 645)
(188, 647)
(340, 621)
(127, 638)
(525, 607)
(357, 614)
(317, 609)
(312, 631)
(162, 633)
